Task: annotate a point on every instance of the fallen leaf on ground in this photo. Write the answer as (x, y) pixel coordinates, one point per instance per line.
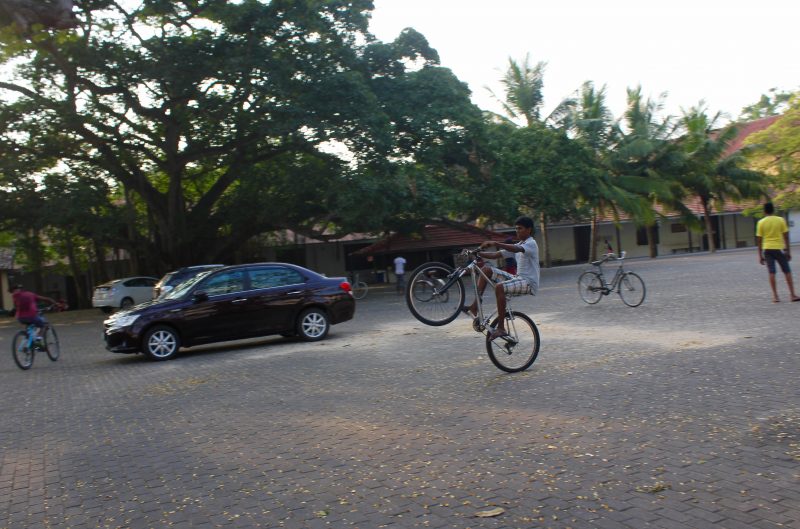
(490, 513)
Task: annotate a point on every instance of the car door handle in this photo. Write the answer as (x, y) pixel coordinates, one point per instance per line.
(242, 300)
(293, 292)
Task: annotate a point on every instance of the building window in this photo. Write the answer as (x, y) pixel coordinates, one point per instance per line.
(678, 227)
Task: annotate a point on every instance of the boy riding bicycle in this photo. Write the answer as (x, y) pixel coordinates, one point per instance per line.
(27, 310)
(525, 281)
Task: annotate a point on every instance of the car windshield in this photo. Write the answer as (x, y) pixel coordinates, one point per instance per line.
(183, 288)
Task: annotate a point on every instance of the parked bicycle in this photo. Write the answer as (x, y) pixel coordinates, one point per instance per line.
(592, 285)
(435, 295)
(360, 288)
(26, 343)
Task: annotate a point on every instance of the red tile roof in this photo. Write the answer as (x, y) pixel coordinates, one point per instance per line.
(433, 236)
(746, 129)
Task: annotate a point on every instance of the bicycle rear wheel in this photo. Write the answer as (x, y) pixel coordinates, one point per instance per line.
(360, 289)
(23, 355)
(631, 289)
(51, 344)
(590, 287)
(517, 351)
(427, 301)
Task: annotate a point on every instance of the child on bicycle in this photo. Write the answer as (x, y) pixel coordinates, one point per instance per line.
(27, 310)
(526, 279)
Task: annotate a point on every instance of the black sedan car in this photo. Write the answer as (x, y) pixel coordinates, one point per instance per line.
(231, 303)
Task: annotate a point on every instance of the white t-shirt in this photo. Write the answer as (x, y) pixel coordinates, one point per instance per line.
(527, 262)
(399, 265)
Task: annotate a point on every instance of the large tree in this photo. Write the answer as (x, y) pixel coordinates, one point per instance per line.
(223, 120)
(540, 182)
(711, 172)
(644, 163)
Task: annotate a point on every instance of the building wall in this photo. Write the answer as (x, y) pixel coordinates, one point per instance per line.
(562, 247)
(739, 231)
(794, 226)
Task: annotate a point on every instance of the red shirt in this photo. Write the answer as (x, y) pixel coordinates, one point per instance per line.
(26, 304)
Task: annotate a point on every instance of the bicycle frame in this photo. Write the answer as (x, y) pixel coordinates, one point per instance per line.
(614, 285)
(481, 321)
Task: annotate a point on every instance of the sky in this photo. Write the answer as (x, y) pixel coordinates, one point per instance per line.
(726, 52)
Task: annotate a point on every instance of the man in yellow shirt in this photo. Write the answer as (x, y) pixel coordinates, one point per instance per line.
(772, 236)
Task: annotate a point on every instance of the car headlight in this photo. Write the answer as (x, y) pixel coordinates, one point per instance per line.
(123, 321)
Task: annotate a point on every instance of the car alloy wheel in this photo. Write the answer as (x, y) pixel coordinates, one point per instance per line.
(161, 342)
(313, 325)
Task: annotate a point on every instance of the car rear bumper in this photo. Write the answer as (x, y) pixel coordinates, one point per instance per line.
(342, 310)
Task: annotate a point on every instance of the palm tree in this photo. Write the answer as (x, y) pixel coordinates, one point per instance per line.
(523, 85)
(523, 99)
(646, 162)
(712, 174)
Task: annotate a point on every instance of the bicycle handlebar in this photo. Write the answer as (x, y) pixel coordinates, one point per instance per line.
(610, 256)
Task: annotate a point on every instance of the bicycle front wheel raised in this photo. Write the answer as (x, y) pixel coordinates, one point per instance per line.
(631, 289)
(432, 297)
(518, 350)
(590, 287)
(51, 343)
(23, 355)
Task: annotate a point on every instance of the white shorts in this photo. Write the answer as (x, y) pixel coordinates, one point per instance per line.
(513, 285)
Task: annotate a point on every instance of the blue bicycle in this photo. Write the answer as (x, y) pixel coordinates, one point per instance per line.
(27, 342)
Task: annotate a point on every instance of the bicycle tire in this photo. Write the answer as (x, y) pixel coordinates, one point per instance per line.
(590, 287)
(520, 352)
(51, 344)
(425, 302)
(360, 289)
(631, 289)
(23, 355)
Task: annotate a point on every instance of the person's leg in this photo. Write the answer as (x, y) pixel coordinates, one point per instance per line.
(500, 292)
(790, 283)
(780, 257)
(473, 308)
(515, 286)
(769, 258)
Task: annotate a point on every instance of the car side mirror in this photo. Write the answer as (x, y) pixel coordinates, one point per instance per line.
(200, 296)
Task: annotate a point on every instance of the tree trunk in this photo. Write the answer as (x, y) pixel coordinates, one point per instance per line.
(101, 276)
(80, 290)
(130, 226)
(712, 247)
(545, 240)
(651, 241)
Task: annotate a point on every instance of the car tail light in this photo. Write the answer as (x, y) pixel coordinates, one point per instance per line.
(344, 285)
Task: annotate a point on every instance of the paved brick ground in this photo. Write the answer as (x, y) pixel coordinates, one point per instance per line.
(682, 413)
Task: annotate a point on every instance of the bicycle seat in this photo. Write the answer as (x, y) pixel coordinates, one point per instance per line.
(598, 263)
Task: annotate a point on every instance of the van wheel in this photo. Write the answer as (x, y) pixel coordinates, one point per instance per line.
(313, 325)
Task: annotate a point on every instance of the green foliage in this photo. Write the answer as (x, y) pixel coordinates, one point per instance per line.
(223, 120)
(776, 152)
(772, 104)
(545, 171)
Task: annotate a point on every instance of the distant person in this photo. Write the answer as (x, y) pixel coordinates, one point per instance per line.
(772, 236)
(27, 310)
(400, 272)
(609, 249)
